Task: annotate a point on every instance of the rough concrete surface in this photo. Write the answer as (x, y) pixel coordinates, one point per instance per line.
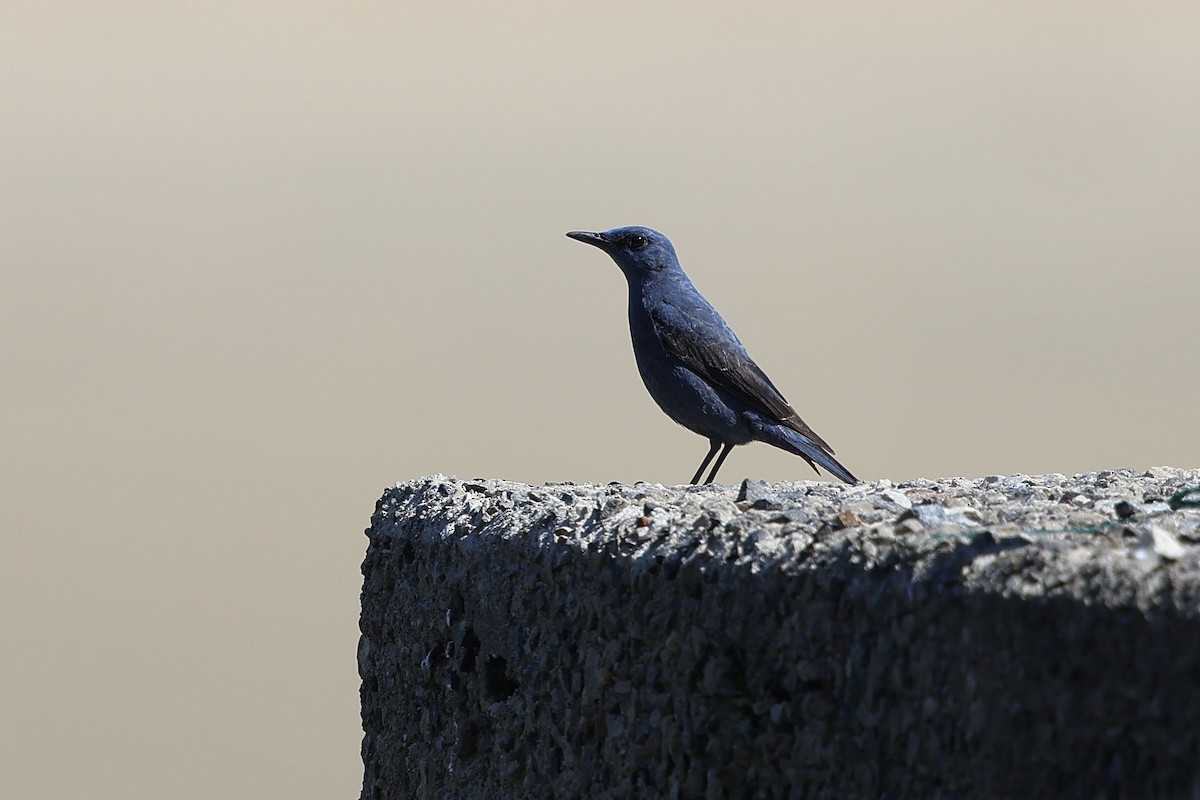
(1008, 637)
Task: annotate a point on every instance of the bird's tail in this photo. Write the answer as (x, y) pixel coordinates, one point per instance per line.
(795, 442)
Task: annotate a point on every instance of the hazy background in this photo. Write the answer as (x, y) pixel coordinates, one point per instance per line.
(261, 260)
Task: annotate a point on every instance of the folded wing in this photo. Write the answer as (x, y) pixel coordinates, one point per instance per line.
(723, 362)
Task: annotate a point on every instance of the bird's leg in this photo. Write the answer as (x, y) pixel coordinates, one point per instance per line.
(716, 445)
(720, 460)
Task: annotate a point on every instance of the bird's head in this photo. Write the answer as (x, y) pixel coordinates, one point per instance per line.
(638, 251)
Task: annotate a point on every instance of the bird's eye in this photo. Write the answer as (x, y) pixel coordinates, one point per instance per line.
(636, 241)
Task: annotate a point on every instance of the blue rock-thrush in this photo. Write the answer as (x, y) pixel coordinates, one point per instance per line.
(693, 364)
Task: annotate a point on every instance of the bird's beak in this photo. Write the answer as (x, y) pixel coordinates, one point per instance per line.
(588, 237)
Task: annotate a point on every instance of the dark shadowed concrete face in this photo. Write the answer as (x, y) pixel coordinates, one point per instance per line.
(692, 362)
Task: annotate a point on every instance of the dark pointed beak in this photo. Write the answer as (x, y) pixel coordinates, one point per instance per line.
(588, 237)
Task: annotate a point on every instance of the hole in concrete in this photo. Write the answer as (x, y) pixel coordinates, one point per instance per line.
(496, 682)
(454, 610)
(470, 649)
(468, 740)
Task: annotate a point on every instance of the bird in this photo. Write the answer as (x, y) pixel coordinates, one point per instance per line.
(694, 365)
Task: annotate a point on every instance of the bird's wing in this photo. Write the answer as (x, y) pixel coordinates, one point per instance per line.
(718, 357)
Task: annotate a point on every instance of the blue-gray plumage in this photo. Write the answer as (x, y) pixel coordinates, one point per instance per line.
(693, 364)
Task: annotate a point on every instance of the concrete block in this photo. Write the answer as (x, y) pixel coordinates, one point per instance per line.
(1007, 637)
